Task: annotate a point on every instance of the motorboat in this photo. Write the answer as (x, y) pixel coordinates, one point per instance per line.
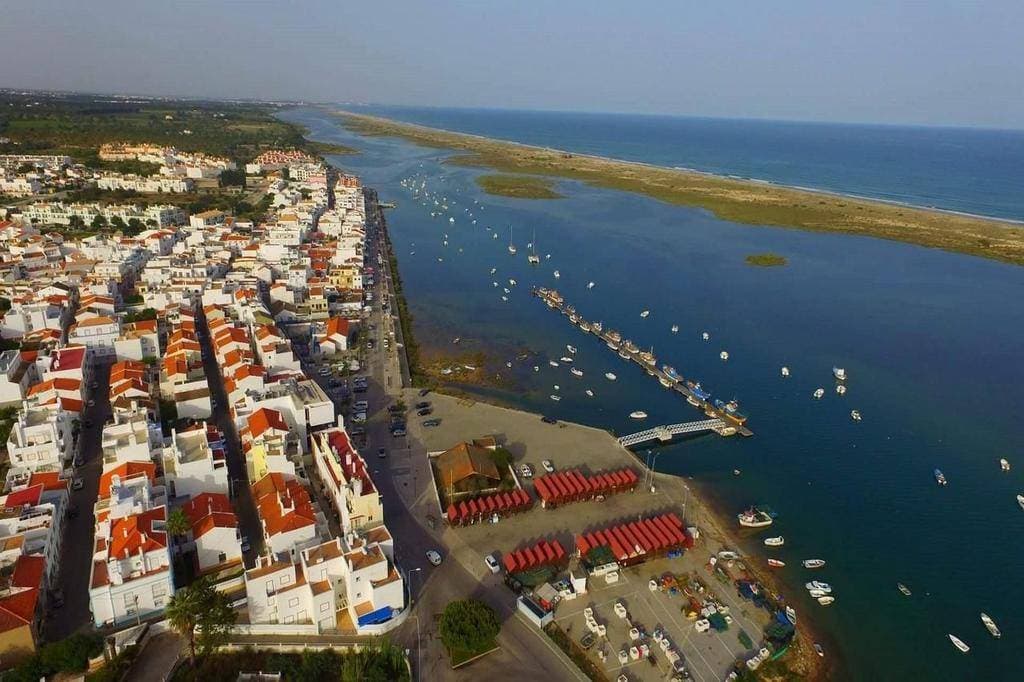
(590, 394)
(1004, 465)
(557, 274)
(1020, 501)
(590, 285)
(839, 373)
(575, 372)
(509, 365)
(511, 282)
(638, 414)
(959, 643)
(645, 313)
(754, 518)
(940, 478)
(816, 593)
(775, 563)
(724, 355)
(505, 299)
(552, 363)
(565, 358)
(571, 349)
(556, 398)
(990, 625)
(818, 393)
(841, 389)
(778, 541)
(675, 329)
(609, 376)
(706, 336)
(904, 590)
(855, 415)
(785, 371)
(826, 600)
(494, 270)
(818, 585)
(536, 368)
(814, 563)
(456, 340)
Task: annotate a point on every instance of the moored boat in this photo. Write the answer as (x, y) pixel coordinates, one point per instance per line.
(775, 563)
(754, 518)
(814, 563)
(571, 348)
(553, 363)
(855, 415)
(706, 336)
(959, 643)
(609, 376)
(576, 372)
(1020, 500)
(903, 589)
(820, 586)
(1004, 465)
(818, 650)
(724, 355)
(819, 392)
(990, 625)
(556, 398)
(645, 313)
(638, 414)
(675, 329)
(785, 371)
(839, 373)
(940, 478)
(671, 373)
(777, 541)
(826, 600)
(791, 614)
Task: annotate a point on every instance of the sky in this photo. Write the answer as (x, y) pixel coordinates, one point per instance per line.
(936, 62)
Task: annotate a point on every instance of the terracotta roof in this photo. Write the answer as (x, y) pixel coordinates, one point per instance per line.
(209, 510)
(130, 534)
(283, 503)
(50, 480)
(263, 419)
(465, 460)
(126, 471)
(18, 609)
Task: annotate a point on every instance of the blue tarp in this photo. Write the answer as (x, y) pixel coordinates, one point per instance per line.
(381, 615)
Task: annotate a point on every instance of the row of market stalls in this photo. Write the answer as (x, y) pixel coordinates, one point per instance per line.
(544, 553)
(634, 542)
(572, 485)
(483, 507)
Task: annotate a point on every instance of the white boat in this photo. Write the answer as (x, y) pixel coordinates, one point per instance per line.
(990, 625)
(511, 282)
(505, 289)
(841, 389)
(533, 258)
(791, 614)
(814, 563)
(557, 387)
(1020, 501)
(575, 372)
(706, 336)
(552, 363)
(590, 394)
(959, 643)
(753, 518)
(511, 246)
(1004, 465)
(645, 313)
(819, 392)
(456, 339)
(855, 415)
(556, 398)
(571, 349)
(819, 650)
(471, 368)
(446, 371)
(505, 299)
(778, 541)
(785, 371)
(536, 368)
(675, 329)
(609, 376)
(451, 220)
(566, 359)
(818, 585)
(839, 373)
(638, 414)
(724, 355)
(904, 590)
(826, 600)
(509, 365)
(557, 274)
(816, 593)
(590, 285)
(775, 563)
(494, 270)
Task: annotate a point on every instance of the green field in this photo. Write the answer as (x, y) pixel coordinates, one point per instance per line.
(518, 186)
(766, 260)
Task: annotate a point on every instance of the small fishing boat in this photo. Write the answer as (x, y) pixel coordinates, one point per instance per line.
(839, 373)
(1020, 501)
(590, 285)
(571, 349)
(557, 274)
(552, 363)
(940, 477)
(724, 355)
(818, 393)
(775, 563)
(590, 394)
(575, 372)
(855, 415)
(609, 376)
(785, 371)
(777, 541)
(820, 586)
(990, 625)
(816, 593)
(826, 600)
(536, 368)
(565, 358)
(818, 650)
(556, 398)
(675, 329)
(1004, 465)
(814, 563)
(841, 389)
(959, 643)
(494, 270)
(706, 336)
(645, 313)
(791, 614)
(904, 590)
(754, 518)
(638, 414)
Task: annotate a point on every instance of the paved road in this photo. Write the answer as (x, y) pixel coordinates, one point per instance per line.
(77, 548)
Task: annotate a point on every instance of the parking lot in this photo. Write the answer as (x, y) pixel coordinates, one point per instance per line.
(707, 655)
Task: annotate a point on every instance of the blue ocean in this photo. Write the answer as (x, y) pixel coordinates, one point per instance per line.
(931, 343)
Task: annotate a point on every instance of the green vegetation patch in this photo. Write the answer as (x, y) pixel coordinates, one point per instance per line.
(382, 662)
(518, 186)
(766, 260)
(575, 652)
(468, 629)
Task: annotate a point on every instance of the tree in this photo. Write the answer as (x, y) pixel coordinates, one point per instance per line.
(76, 221)
(117, 222)
(469, 625)
(229, 178)
(202, 615)
(99, 222)
(178, 523)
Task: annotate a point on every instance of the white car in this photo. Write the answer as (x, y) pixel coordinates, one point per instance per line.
(492, 563)
(548, 466)
(433, 557)
(526, 471)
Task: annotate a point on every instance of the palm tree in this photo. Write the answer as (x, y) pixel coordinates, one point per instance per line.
(183, 612)
(178, 523)
(200, 606)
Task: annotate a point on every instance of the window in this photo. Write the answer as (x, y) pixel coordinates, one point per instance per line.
(222, 557)
(324, 607)
(289, 619)
(293, 602)
(129, 600)
(285, 579)
(159, 590)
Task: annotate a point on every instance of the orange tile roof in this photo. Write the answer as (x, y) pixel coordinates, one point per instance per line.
(126, 471)
(265, 418)
(130, 534)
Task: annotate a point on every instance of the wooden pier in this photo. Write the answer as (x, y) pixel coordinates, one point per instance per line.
(723, 418)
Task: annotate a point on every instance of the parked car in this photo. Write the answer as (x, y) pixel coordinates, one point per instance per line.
(397, 433)
(431, 423)
(357, 431)
(77, 484)
(526, 471)
(359, 417)
(548, 466)
(361, 406)
(92, 403)
(433, 557)
(382, 452)
(424, 392)
(492, 563)
(425, 411)
(422, 405)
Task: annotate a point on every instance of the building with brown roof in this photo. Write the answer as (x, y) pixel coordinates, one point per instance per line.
(467, 466)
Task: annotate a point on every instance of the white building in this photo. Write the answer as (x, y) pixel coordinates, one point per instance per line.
(41, 438)
(194, 462)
